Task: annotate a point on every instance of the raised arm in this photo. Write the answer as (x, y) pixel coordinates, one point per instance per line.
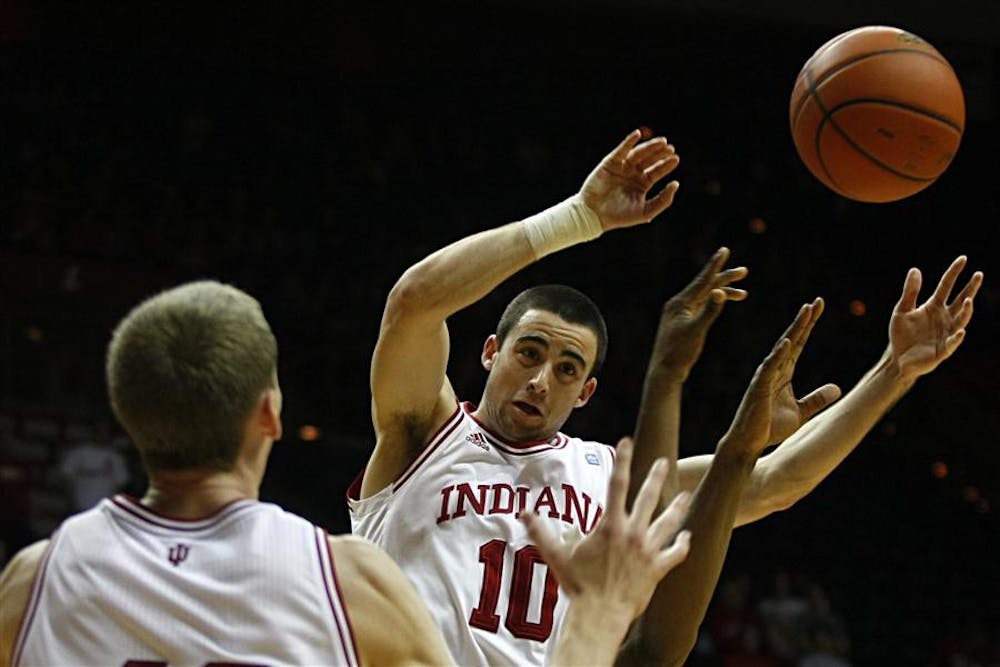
(920, 338)
(680, 337)
(667, 631)
(410, 392)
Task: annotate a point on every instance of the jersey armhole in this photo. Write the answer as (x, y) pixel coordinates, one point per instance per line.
(335, 597)
(28, 616)
(354, 500)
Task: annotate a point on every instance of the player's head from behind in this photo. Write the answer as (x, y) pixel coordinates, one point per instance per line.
(542, 361)
(192, 373)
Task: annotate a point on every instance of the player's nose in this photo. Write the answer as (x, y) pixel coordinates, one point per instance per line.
(539, 382)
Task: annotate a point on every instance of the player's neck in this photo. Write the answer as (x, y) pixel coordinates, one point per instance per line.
(193, 494)
(485, 416)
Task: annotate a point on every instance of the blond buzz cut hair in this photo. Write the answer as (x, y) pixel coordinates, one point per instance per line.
(185, 369)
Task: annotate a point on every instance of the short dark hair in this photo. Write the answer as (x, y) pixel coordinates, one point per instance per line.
(568, 303)
(185, 369)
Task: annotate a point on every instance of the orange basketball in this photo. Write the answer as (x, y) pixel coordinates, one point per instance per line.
(877, 114)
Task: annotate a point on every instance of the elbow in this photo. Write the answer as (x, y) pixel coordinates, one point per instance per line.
(400, 300)
(775, 493)
(781, 496)
(783, 501)
(412, 293)
(789, 488)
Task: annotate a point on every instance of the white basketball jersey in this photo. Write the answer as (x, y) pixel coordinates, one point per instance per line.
(450, 522)
(251, 584)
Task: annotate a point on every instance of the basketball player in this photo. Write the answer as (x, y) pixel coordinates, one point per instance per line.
(446, 478)
(198, 571)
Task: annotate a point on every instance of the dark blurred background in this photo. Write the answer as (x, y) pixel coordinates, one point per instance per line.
(309, 153)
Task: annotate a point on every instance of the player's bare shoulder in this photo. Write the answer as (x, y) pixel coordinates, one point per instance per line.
(356, 556)
(389, 619)
(366, 572)
(20, 572)
(15, 589)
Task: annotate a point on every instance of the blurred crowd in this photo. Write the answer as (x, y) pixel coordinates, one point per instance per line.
(788, 623)
(784, 618)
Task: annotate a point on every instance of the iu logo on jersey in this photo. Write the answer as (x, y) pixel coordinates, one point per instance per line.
(178, 554)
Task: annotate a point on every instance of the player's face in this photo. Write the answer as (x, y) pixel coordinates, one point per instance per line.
(537, 377)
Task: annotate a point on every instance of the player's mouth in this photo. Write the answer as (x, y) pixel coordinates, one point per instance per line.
(527, 409)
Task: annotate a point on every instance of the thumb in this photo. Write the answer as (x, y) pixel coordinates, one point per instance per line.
(716, 302)
(818, 400)
(660, 202)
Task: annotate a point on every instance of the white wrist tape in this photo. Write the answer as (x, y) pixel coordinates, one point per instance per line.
(567, 223)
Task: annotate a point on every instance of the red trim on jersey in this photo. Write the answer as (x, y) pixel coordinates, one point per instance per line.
(439, 436)
(354, 490)
(37, 582)
(132, 506)
(558, 442)
(323, 547)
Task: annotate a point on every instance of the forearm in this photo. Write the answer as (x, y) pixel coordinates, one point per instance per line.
(590, 634)
(657, 432)
(464, 272)
(667, 631)
(657, 428)
(799, 464)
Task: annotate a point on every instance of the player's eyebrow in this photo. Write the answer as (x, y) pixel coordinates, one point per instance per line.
(530, 338)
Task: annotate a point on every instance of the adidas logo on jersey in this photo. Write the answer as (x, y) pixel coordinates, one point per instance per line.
(479, 440)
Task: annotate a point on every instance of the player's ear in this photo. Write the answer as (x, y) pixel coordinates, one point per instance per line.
(269, 413)
(490, 349)
(589, 387)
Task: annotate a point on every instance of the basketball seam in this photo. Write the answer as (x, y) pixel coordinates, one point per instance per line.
(871, 54)
(819, 130)
(902, 105)
(814, 85)
(874, 160)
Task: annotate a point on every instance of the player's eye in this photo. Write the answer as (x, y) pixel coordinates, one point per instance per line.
(568, 369)
(528, 353)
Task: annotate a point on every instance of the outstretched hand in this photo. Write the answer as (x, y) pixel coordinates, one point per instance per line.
(769, 411)
(788, 412)
(688, 315)
(922, 337)
(620, 562)
(618, 187)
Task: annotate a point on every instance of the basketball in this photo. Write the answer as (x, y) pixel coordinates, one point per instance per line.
(877, 114)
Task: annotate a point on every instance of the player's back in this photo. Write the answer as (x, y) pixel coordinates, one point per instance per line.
(250, 584)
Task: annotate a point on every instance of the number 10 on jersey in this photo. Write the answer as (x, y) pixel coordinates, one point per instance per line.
(485, 616)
